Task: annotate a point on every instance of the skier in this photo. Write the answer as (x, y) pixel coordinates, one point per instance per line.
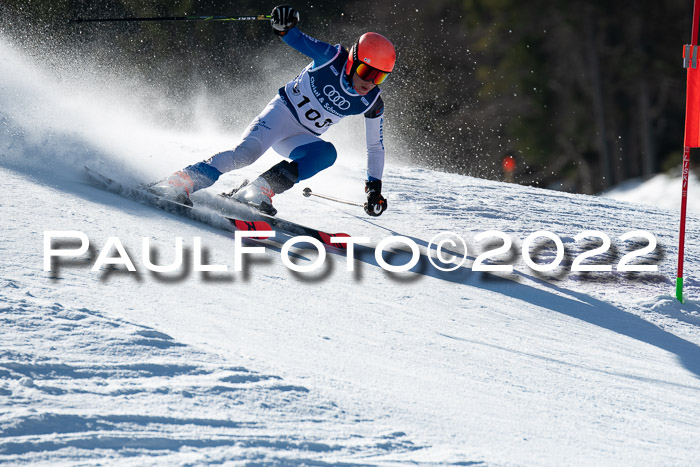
(336, 84)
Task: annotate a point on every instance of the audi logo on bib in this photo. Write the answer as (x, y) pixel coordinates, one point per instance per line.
(335, 97)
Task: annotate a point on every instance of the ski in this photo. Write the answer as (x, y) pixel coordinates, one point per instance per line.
(250, 226)
(143, 195)
(293, 227)
(289, 226)
(244, 218)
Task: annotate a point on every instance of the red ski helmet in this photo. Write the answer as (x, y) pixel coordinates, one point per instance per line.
(372, 58)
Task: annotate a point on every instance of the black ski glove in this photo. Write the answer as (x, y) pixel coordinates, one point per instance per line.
(376, 203)
(284, 18)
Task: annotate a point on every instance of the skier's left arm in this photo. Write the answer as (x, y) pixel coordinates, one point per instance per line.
(374, 134)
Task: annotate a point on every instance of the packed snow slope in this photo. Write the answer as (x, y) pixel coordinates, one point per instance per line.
(661, 190)
(366, 367)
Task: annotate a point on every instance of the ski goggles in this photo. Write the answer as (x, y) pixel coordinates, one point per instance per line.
(368, 73)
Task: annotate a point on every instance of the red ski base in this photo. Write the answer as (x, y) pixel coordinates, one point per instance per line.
(255, 226)
(251, 226)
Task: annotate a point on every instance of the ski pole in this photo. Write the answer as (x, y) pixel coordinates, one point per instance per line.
(308, 193)
(175, 18)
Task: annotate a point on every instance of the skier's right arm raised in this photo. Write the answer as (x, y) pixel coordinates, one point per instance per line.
(284, 21)
(284, 18)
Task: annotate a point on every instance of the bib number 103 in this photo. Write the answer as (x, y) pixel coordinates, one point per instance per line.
(312, 115)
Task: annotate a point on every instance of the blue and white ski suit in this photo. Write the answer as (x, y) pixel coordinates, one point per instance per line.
(320, 96)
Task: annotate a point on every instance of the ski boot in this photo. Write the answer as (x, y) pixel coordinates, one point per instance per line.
(176, 187)
(179, 186)
(258, 193)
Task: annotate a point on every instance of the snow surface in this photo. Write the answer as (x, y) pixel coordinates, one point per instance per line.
(661, 190)
(364, 367)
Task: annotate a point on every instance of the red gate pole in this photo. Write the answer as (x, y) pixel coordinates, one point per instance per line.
(691, 142)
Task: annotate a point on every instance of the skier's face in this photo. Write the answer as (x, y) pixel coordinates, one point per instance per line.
(361, 86)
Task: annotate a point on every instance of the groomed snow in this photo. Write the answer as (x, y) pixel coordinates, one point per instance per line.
(363, 367)
(661, 190)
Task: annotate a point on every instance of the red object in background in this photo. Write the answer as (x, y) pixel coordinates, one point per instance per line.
(509, 164)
